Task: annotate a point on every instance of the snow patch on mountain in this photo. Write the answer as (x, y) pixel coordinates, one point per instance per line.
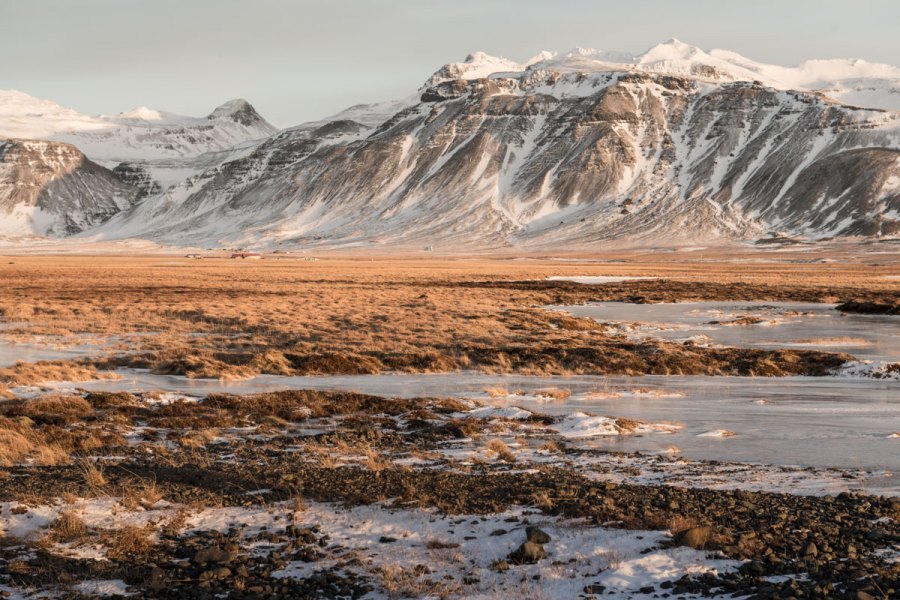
(852, 81)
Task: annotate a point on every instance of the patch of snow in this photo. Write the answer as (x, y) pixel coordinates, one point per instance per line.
(717, 433)
(103, 588)
(497, 412)
(581, 425)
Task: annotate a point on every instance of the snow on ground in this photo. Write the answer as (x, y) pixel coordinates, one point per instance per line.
(581, 425)
(461, 547)
(669, 467)
(869, 368)
(717, 433)
(497, 412)
(27, 522)
(103, 588)
(460, 552)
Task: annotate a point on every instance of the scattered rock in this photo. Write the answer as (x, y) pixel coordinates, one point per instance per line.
(216, 555)
(527, 554)
(537, 536)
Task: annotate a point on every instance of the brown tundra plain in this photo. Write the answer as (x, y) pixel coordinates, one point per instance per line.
(308, 487)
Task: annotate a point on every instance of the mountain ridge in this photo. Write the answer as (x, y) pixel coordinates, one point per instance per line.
(579, 150)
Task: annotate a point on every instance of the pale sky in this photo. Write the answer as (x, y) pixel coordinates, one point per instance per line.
(301, 60)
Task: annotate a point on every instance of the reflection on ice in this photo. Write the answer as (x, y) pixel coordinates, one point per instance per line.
(815, 421)
(755, 324)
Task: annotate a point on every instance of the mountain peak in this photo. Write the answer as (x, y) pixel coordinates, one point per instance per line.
(672, 49)
(238, 110)
(476, 66)
(142, 113)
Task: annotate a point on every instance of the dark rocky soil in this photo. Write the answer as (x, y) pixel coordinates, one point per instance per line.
(826, 546)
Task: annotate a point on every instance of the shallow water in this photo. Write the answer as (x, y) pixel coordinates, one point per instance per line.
(841, 422)
(11, 353)
(809, 421)
(785, 325)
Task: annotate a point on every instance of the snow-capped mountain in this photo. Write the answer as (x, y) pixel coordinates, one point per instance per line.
(850, 81)
(587, 148)
(143, 150)
(51, 188)
(577, 149)
(166, 146)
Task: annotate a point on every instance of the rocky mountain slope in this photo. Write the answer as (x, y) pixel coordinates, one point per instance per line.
(578, 150)
(52, 189)
(144, 150)
(553, 154)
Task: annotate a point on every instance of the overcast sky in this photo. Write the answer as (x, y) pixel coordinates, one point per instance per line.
(300, 60)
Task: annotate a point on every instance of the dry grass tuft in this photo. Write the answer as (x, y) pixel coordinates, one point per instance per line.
(143, 495)
(198, 439)
(20, 443)
(552, 447)
(401, 582)
(499, 448)
(553, 393)
(92, 473)
(14, 447)
(67, 527)
(542, 499)
(23, 373)
(129, 542)
(496, 392)
(375, 461)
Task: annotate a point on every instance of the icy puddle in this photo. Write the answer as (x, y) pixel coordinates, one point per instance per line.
(808, 421)
(52, 347)
(754, 324)
(597, 279)
(11, 353)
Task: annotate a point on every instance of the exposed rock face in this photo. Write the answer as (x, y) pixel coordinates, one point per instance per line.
(676, 146)
(544, 158)
(242, 112)
(148, 148)
(50, 188)
(137, 177)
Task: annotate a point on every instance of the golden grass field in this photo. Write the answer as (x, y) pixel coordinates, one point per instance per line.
(217, 317)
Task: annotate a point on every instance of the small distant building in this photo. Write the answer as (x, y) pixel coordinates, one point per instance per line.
(246, 255)
(195, 256)
(429, 248)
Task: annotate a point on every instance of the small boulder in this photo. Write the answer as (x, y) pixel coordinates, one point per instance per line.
(216, 555)
(527, 554)
(537, 536)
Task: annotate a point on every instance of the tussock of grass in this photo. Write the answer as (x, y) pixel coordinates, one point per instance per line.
(67, 527)
(15, 448)
(92, 474)
(21, 443)
(129, 542)
(48, 410)
(299, 405)
(499, 448)
(23, 373)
